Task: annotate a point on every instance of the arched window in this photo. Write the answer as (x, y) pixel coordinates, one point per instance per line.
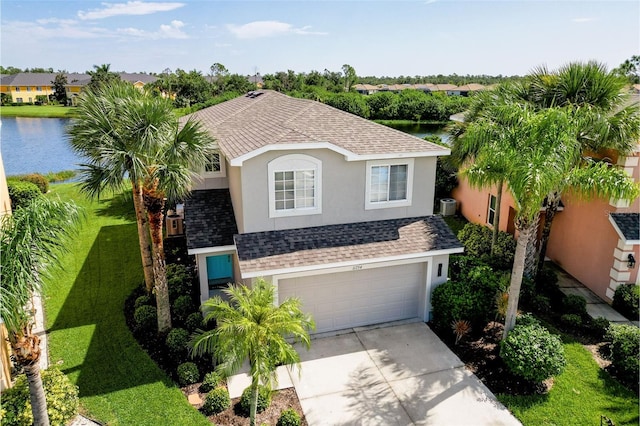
(295, 186)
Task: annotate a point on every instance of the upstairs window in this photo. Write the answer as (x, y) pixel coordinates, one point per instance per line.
(215, 166)
(389, 183)
(295, 186)
(491, 214)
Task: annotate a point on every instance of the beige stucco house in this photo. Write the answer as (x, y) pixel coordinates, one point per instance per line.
(329, 207)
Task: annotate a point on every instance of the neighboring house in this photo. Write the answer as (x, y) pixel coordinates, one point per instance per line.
(327, 206)
(591, 240)
(465, 90)
(24, 87)
(366, 89)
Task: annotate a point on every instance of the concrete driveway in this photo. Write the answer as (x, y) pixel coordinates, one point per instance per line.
(392, 375)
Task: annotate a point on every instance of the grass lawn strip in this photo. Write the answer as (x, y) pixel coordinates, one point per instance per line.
(579, 396)
(88, 336)
(41, 111)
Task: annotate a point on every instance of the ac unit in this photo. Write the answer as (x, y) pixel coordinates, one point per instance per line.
(174, 225)
(447, 207)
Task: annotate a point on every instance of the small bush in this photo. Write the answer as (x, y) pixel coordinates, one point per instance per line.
(182, 307)
(541, 303)
(22, 193)
(143, 300)
(210, 382)
(526, 319)
(60, 393)
(459, 266)
(571, 320)
(477, 242)
(599, 327)
(574, 304)
(179, 281)
(177, 340)
(289, 417)
(146, 318)
(625, 351)
(38, 180)
(533, 353)
(216, 401)
(193, 321)
(188, 373)
(264, 400)
(626, 300)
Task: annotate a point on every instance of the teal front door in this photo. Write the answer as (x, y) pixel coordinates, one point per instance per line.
(219, 269)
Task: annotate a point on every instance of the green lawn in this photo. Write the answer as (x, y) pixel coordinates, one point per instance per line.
(579, 396)
(53, 111)
(88, 337)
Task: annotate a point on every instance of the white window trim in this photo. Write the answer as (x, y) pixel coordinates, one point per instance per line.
(223, 167)
(294, 162)
(489, 209)
(368, 205)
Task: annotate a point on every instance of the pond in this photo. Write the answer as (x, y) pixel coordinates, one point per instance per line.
(35, 145)
(421, 130)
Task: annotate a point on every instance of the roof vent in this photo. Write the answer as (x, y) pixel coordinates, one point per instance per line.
(253, 94)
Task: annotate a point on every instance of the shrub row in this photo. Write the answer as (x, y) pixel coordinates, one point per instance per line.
(477, 242)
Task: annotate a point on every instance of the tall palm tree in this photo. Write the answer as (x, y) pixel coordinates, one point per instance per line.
(599, 103)
(169, 177)
(31, 240)
(541, 149)
(251, 326)
(117, 149)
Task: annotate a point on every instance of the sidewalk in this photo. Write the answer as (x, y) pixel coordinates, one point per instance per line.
(596, 307)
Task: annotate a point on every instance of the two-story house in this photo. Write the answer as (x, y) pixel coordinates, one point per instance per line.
(329, 207)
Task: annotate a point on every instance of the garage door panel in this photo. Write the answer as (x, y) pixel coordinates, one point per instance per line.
(350, 299)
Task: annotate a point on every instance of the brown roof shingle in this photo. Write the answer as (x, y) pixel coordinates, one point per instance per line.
(245, 124)
(261, 252)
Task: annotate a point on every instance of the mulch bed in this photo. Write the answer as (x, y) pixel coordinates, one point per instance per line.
(480, 354)
(280, 401)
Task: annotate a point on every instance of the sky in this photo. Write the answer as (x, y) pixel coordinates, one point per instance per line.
(381, 38)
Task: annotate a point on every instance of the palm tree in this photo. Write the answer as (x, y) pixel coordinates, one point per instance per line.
(169, 177)
(599, 102)
(31, 240)
(251, 326)
(541, 149)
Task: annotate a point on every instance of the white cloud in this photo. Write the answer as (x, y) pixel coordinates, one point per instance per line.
(260, 29)
(581, 20)
(171, 31)
(42, 30)
(128, 8)
(56, 21)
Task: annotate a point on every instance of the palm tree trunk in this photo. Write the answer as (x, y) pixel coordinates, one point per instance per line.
(525, 231)
(143, 236)
(26, 351)
(531, 258)
(496, 219)
(553, 202)
(253, 411)
(154, 204)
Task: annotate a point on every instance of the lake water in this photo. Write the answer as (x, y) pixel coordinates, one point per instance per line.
(39, 145)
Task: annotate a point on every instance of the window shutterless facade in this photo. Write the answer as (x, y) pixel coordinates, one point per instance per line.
(295, 186)
(491, 213)
(215, 166)
(389, 183)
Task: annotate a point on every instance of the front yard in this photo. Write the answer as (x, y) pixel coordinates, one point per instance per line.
(88, 337)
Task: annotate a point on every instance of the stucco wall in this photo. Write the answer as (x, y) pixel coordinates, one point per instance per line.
(473, 203)
(212, 183)
(343, 193)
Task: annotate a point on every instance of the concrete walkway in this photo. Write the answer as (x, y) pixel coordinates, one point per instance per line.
(596, 307)
(391, 375)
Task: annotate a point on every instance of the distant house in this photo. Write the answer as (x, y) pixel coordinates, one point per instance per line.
(366, 89)
(465, 89)
(329, 207)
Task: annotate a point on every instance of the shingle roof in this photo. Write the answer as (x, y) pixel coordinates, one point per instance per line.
(627, 226)
(306, 247)
(246, 124)
(209, 220)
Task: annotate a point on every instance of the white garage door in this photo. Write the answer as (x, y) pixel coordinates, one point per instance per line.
(351, 299)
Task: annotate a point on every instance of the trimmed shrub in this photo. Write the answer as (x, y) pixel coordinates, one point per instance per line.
(188, 373)
(182, 307)
(22, 193)
(179, 280)
(264, 400)
(571, 320)
(38, 180)
(216, 401)
(625, 351)
(574, 304)
(289, 417)
(540, 303)
(459, 266)
(599, 327)
(146, 317)
(626, 300)
(177, 340)
(60, 393)
(210, 382)
(527, 319)
(477, 242)
(143, 300)
(472, 298)
(533, 353)
(193, 321)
